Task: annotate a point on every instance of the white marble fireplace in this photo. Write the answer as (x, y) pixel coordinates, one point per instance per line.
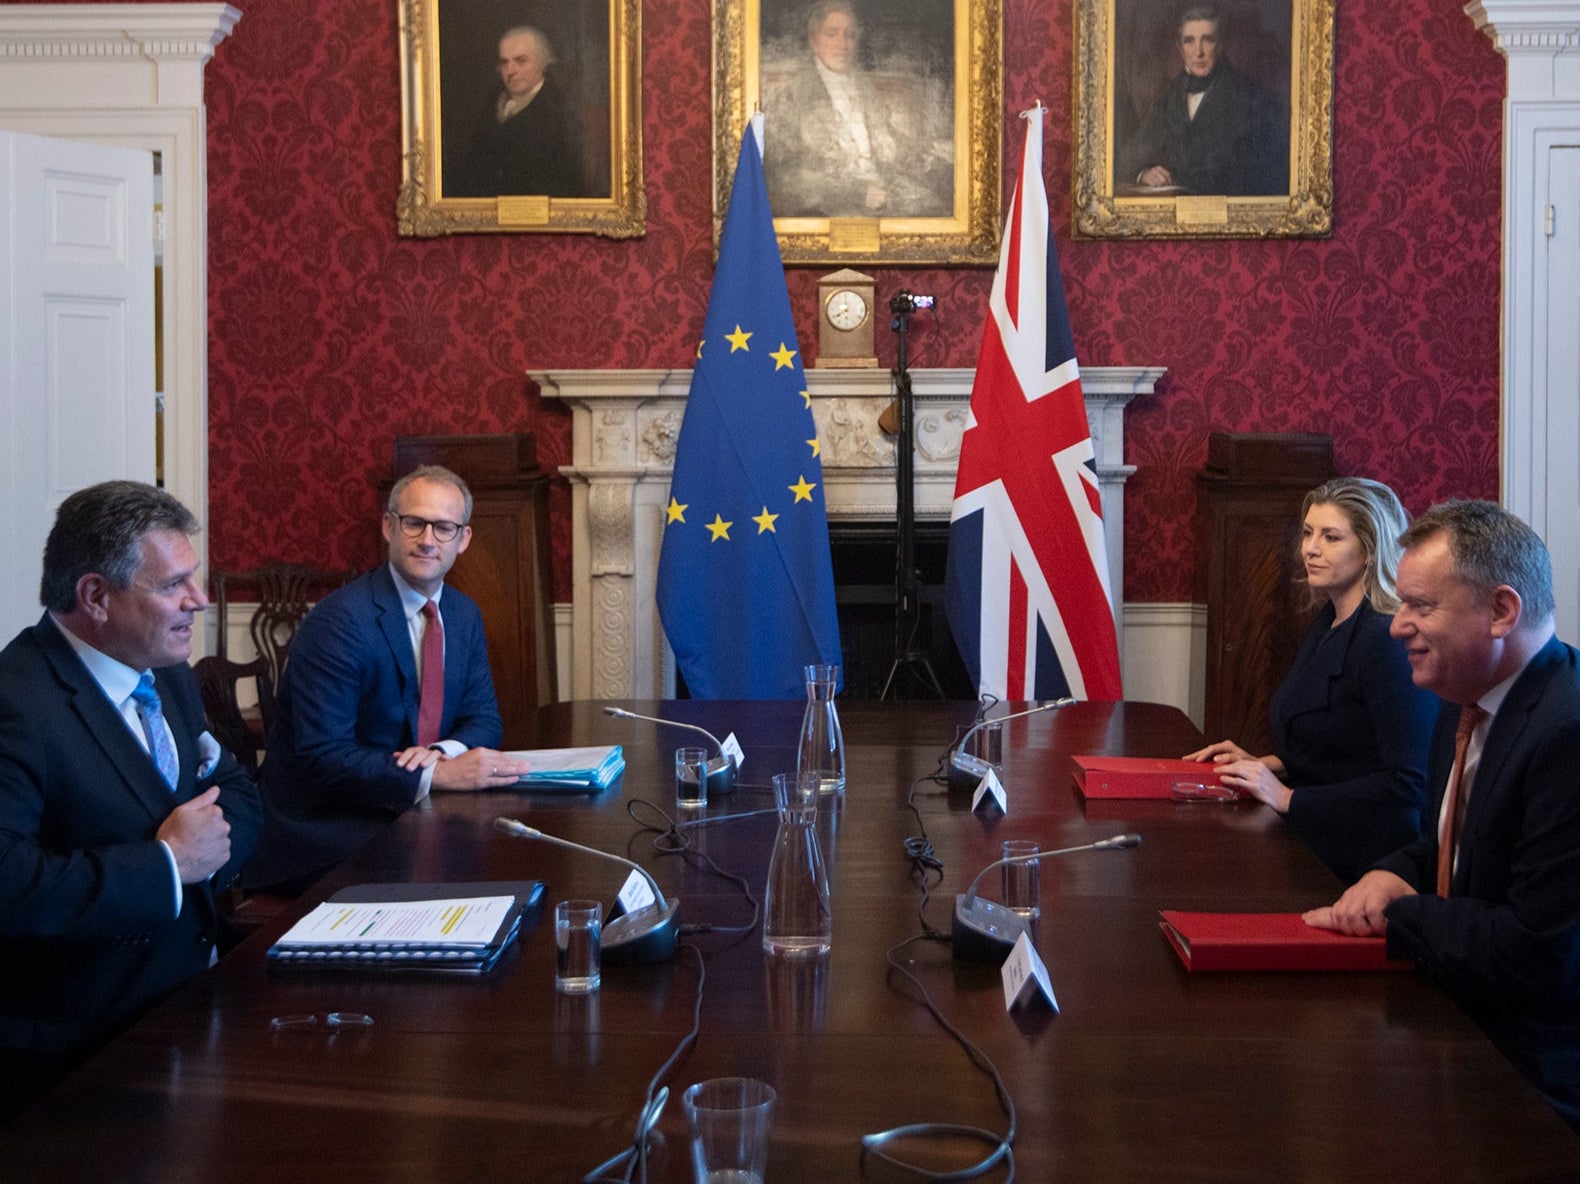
(625, 423)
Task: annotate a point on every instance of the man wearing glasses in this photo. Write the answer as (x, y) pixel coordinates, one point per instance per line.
(387, 695)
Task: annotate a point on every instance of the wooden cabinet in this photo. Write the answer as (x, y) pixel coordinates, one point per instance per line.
(1248, 572)
(506, 567)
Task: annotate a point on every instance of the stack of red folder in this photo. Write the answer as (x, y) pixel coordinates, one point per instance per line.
(1140, 776)
(1268, 941)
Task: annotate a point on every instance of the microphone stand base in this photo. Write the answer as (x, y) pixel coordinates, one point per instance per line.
(965, 774)
(647, 935)
(984, 931)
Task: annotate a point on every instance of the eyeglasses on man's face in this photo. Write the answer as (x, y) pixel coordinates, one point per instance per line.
(413, 527)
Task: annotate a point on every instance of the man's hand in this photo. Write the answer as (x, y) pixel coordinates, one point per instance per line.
(476, 768)
(1156, 175)
(1359, 912)
(198, 836)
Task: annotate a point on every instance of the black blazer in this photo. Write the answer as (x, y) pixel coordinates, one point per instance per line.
(1506, 941)
(87, 938)
(1353, 731)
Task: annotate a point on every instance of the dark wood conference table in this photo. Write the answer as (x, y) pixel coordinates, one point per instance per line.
(1147, 1072)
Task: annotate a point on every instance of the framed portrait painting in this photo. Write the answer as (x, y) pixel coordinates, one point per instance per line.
(1203, 119)
(881, 125)
(521, 116)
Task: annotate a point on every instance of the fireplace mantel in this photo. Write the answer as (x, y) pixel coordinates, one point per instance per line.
(624, 427)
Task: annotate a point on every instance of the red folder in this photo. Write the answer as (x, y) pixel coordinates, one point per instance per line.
(1268, 941)
(1142, 776)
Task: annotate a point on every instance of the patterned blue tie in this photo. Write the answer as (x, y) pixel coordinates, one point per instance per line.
(153, 717)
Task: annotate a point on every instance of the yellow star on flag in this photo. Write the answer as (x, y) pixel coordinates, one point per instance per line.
(765, 521)
(702, 342)
(783, 356)
(720, 529)
(737, 339)
(802, 490)
(676, 510)
(807, 395)
(817, 449)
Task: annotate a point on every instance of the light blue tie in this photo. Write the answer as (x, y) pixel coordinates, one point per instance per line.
(153, 717)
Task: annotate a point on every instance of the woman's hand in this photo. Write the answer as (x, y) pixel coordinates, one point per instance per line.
(1220, 753)
(1252, 778)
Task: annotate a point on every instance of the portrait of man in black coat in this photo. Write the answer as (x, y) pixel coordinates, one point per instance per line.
(527, 140)
(1213, 129)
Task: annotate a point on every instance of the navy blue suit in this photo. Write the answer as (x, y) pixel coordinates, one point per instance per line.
(1353, 732)
(87, 935)
(348, 703)
(1506, 941)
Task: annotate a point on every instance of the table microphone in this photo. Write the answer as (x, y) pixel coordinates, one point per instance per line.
(986, 931)
(721, 769)
(646, 935)
(966, 771)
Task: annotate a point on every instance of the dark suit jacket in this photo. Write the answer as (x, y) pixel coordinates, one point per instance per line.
(536, 150)
(347, 704)
(1354, 733)
(87, 939)
(1506, 941)
(1238, 144)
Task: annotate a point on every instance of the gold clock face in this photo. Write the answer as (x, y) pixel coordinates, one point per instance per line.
(846, 309)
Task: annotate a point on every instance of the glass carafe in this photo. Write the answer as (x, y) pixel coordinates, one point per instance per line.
(797, 919)
(822, 749)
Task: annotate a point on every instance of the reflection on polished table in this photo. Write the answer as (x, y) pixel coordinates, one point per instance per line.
(1147, 1073)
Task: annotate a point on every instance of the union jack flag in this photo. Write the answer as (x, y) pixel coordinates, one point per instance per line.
(1027, 578)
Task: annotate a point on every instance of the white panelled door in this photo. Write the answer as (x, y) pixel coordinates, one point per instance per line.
(76, 337)
(1562, 402)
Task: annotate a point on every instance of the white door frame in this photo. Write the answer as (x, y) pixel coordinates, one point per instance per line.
(132, 75)
(1541, 108)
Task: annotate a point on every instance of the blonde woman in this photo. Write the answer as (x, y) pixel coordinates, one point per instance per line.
(1351, 730)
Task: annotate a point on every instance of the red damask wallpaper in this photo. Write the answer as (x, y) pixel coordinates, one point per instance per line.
(331, 335)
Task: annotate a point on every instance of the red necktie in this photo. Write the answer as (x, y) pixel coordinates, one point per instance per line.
(430, 706)
(1454, 807)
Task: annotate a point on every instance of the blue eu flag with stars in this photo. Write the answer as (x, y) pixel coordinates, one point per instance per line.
(745, 582)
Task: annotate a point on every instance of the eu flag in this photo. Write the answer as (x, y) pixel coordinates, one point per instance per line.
(745, 582)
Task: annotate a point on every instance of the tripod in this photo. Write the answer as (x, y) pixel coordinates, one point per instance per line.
(907, 579)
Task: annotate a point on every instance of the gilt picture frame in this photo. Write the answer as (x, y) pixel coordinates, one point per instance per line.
(920, 182)
(1254, 160)
(483, 153)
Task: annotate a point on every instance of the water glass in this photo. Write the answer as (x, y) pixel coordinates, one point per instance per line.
(578, 927)
(729, 1117)
(691, 778)
(1022, 881)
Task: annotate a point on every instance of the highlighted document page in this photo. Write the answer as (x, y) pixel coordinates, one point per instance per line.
(474, 921)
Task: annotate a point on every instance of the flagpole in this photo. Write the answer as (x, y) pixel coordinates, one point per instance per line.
(907, 579)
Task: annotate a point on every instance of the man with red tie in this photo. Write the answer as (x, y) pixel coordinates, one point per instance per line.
(1488, 900)
(386, 695)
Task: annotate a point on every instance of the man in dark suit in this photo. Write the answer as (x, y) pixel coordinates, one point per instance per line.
(1213, 130)
(384, 698)
(120, 817)
(528, 140)
(1488, 901)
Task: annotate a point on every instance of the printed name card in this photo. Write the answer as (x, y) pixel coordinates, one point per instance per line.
(732, 749)
(1025, 977)
(636, 893)
(990, 789)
